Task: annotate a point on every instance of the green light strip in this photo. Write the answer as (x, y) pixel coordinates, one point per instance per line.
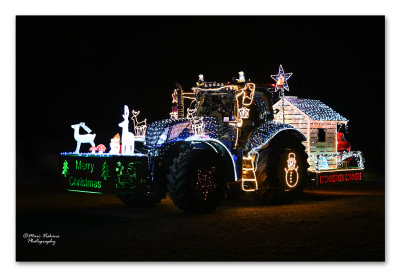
(84, 191)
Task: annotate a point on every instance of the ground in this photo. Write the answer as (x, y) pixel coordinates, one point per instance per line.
(331, 223)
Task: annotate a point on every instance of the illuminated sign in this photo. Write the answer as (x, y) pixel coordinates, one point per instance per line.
(339, 176)
(292, 176)
(99, 174)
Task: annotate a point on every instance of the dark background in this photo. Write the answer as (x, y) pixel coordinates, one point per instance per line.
(74, 69)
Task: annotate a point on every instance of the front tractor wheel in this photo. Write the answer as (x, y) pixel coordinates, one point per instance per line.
(143, 198)
(281, 172)
(195, 181)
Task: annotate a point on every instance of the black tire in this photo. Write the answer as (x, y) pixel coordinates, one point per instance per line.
(196, 181)
(276, 186)
(146, 197)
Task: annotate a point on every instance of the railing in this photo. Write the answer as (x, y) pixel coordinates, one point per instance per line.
(340, 156)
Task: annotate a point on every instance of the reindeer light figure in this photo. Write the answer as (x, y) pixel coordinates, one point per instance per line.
(139, 126)
(197, 122)
(197, 126)
(87, 138)
(128, 139)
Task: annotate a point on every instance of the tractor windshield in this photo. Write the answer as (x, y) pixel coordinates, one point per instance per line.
(216, 104)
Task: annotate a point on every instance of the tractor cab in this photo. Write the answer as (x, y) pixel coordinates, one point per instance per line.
(234, 102)
(217, 104)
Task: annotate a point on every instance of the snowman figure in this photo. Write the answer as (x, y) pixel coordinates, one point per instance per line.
(292, 176)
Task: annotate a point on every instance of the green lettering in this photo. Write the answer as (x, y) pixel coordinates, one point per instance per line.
(79, 165)
(73, 181)
(85, 183)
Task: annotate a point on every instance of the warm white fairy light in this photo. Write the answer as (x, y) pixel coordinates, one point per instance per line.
(248, 171)
(219, 88)
(246, 94)
(139, 126)
(244, 113)
(292, 175)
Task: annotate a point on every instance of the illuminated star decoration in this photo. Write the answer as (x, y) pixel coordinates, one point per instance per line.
(281, 79)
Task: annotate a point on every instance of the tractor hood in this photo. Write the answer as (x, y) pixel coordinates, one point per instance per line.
(172, 130)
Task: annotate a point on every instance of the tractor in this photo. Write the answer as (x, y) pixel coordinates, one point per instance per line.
(219, 142)
(226, 141)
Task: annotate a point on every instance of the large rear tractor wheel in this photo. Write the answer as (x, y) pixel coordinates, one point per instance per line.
(281, 172)
(196, 181)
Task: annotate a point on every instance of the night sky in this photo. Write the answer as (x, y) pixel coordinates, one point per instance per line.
(74, 69)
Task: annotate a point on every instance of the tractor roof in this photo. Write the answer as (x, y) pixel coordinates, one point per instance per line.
(316, 109)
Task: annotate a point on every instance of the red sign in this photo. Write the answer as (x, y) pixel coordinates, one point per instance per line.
(339, 177)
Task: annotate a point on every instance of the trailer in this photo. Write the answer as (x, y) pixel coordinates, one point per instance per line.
(329, 153)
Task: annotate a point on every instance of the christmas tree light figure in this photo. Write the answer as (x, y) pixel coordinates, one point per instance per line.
(65, 169)
(105, 171)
